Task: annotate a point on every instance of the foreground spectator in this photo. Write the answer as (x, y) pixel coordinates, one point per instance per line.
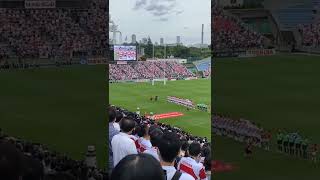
(116, 124)
(155, 138)
(144, 138)
(169, 147)
(11, 162)
(122, 144)
(112, 132)
(25, 160)
(138, 167)
(191, 164)
(173, 148)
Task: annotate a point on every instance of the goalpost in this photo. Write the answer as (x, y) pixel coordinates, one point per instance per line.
(160, 79)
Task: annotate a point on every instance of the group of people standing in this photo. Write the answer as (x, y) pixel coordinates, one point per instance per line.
(144, 149)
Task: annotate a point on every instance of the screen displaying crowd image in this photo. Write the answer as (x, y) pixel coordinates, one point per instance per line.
(125, 53)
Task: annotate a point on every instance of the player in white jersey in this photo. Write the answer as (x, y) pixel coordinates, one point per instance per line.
(191, 165)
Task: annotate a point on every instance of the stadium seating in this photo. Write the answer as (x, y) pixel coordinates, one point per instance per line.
(230, 34)
(56, 32)
(204, 66)
(148, 70)
(310, 34)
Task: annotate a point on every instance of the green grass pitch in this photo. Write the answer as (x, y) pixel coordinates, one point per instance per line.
(133, 95)
(280, 91)
(63, 108)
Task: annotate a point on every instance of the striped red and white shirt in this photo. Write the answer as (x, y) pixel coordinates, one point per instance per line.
(153, 151)
(135, 139)
(144, 144)
(195, 169)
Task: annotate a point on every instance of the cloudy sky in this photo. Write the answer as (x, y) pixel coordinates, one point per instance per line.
(162, 18)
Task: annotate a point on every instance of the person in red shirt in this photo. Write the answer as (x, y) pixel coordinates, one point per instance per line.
(191, 164)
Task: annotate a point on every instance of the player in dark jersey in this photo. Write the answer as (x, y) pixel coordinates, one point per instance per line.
(305, 144)
(298, 151)
(286, 143)
(291, 144)
(280, 137)
(248, 150)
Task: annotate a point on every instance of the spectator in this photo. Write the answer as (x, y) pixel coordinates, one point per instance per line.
(155, 138)
(112, 133)
(116, 124)
(207, 165)
(122, 145)
(33, 169)
(138, 167)
(169, 147)
(11, 162)
(144, 138)
(143, 123)
(192, 165)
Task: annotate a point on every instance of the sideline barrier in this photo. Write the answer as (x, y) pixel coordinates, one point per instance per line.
(260, 52)
(246, 53)
(94, 61)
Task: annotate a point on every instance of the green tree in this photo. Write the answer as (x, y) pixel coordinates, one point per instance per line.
(149, 48)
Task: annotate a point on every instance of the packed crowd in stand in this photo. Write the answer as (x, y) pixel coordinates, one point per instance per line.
(59, 32)
(155, 150)
(241, 130)
(230, 34)
(148, 70)
(310, 34)
(28, 160)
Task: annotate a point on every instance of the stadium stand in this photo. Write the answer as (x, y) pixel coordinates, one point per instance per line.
(289, 17)
(148, 70)
(38, 162)
(58, 33)
(230, 34)
(31, 37)
(148, 135)
(310, 34)
(204, 66)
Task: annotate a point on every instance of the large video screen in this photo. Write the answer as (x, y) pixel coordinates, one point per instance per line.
(125, 53)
